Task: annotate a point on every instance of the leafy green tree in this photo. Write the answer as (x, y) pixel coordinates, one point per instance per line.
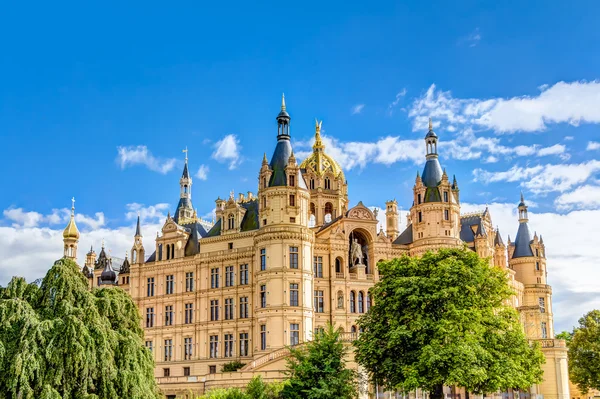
(232, 366)
(63, 341)
(584, 353)
(567, 336)
(256, 389)
(318, 369)
(442, 319)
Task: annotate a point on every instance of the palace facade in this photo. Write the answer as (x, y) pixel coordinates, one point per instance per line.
(276, 266)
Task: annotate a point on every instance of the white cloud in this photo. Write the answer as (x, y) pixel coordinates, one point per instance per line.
(397, 100)
(154, 213)
(228, 150)
(140, 155)
(473, 39)
(569, 138)
(20, 218)
(593, 145)
(543, 178)
(563, 102)
(202, 173)
(584, 197)
(357, 109)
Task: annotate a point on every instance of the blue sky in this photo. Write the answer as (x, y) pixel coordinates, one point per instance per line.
(97, 101)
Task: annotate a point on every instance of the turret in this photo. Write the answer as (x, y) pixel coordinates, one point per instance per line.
(499, 250)
(71, 236)
(185, 210)
(138, 254)
(391, 217)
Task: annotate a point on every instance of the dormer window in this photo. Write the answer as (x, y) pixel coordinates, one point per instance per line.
(312, 184)
(327, 184)
(445, 196)
(292, 180)
(418, 198)
(231, 222)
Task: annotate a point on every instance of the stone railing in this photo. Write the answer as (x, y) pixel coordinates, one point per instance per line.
(551, 343)
(348, 336)
(339, 275)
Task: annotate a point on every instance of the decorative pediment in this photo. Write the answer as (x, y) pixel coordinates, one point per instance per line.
(361, 212)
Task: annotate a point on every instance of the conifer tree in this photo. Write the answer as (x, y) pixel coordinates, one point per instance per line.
(61, 340)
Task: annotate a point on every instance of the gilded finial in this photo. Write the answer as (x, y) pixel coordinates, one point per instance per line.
(318, 142)
(73, 206)
(282, 101)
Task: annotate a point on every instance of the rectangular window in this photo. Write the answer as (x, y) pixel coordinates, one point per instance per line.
(169, 315)
(150, 287)
(187, 348)
(263, 296)
(294, 334)
(292, 200)
(292, 220)
(293, 294)
(229, 281)
(228, 308)
(446, 214)
(189, 313)
(244, 274)
(445, 196)
(214, 277)
(418, 198)
(292, 181)
(214, 309)
(420, 217)
(243, 307)
(212, 369)
(166, 372)
(263, 337)
(243, 344)
(149, 317)
(319, 302)
(170, 284)
(318, 266)
(228, 339)
(186, 371)
(537, 265)
(263, 259)
(214, 346)
(544, 330)
(229, 245)
(168, 350)
(189, 282)
(293, 257)
(149, 345)
(542, 302)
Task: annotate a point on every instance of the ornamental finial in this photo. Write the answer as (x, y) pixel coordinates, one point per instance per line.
(73, 206)
(430, 124)
(282, 101)
(186, 154)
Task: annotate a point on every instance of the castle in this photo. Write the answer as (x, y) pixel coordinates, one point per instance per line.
(277, 266)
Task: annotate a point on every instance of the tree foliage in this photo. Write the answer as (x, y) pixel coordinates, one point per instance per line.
(232, 366)
(442, 319)
(318, 370)
(584, 353)
(61, 340)
(256, 389)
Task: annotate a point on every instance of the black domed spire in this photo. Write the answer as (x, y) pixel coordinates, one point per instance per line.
(283, 122)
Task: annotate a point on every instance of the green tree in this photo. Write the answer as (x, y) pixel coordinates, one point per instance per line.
(567, 336)
(318, 370)
(256, 389)
(442, 319)
(584, 353)
(62, 340)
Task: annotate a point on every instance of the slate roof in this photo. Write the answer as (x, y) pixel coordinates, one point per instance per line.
(498, 240)
(249, 222)
(466, 230)
(522, 242)
(183, 203)
(406, 237)
(432, 173)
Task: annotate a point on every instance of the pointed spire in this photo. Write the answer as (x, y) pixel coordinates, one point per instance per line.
(498, 240)
(264, 161)
(138, 229)
(430, 124)
(283, 101)
(509, 239)
(186, 173)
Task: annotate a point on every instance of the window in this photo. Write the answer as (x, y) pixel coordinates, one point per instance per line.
(544, 330)
(166, 372)
(263, 296)
(169, 315)
(229, 245)
(293, 257)
(292, 200)
(445, 196)
(150, 286)
(170, 284)
(149, 317)
(228, 308)
(264, 222)
(446, 214)
(537, 265)
(214, 346)
(361, 302)
(243, 344)
(294, 334)
(352, 302)
(263, 259)
(244, 274)
(187, 348)
(149, 345)
(264, 182)
(539, 280)
(420, 217)
(189, 313)
(293, 294)
(212, 369)
(318, 266)
(312, 184)
(318, 330)
(214, 309)
(292, 180)
(228, 339)
(243, 307)
(264, 203)
(327, 184)
(168, 350)
(214, 277)
(292, 220)
(340, 300)
(542, 302)
(229, 280)
(231, 222)
(319, 303)
(537, 252)
(186, 371)
(263, 337)
(418, 198)
(368, 302)
(189, 282)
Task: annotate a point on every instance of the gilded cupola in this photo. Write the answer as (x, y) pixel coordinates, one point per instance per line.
(319, 163)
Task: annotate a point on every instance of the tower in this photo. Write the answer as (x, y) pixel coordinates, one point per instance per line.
(499, 250)
(185, 211)
(326, 183)
(137, 251)
(391, 217)
(71, 236)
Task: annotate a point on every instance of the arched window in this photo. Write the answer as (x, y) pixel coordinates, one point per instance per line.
(231, 221)
(361, 302)
(134, 256)
(368, 303)
(327, 183)
(353, 329)
(338, 265)
(185, 189)
(328, 212)
(352, 302)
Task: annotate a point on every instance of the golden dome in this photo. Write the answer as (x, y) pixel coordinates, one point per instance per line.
(71, 230)
(319, 162)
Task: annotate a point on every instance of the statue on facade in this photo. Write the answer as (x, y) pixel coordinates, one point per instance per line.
(356, 252)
